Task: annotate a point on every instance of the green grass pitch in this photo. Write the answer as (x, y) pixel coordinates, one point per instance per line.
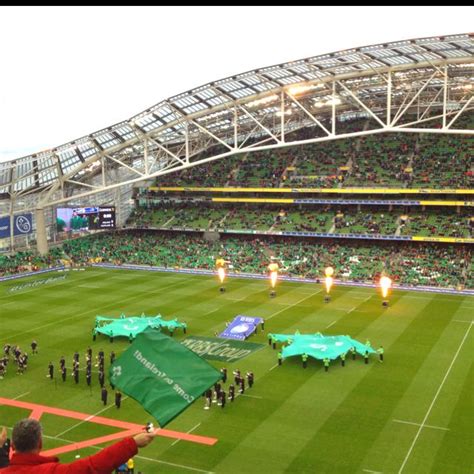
(411, 414)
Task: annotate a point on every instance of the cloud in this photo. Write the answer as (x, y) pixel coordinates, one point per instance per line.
(69, 71)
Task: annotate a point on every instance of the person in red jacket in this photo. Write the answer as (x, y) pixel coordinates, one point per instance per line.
(27, 443)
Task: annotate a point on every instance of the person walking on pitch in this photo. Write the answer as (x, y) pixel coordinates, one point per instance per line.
(326, 364)
(34, 346)
(353, 353)
(50, 370)
(304, 358)
(380, 351)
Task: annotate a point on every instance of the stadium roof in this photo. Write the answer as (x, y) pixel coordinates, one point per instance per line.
(212, 109)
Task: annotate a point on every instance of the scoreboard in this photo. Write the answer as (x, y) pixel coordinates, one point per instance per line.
(106, 217)
(85, 218)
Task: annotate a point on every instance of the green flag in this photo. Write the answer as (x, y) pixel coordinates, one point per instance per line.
(162, 375)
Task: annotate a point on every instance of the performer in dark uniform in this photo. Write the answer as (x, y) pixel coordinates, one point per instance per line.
(242, 386)
(103, 395)
(118, 399)
(222, 399)
(101, 378)
(224, 374)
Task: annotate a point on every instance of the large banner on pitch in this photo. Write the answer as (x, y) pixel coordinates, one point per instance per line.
(22, 224)
(162, 375)
(216, 349)
(241, 327)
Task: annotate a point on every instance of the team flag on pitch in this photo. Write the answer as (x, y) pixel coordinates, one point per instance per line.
(162, 375)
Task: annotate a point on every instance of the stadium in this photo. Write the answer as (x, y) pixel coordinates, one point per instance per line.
(354, 166)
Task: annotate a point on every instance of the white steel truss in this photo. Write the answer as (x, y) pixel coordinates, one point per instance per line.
(414, 86)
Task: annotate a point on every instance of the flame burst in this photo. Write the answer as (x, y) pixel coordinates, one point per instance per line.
(273, 278)
(385, 283)
(329, 282)
(221, 273)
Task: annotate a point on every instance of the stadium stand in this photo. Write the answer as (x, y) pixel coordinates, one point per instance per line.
(409, 263)
(381, 160)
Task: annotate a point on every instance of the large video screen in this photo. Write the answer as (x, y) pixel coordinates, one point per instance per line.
(79, 219)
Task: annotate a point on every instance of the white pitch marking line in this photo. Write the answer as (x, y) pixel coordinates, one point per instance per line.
(172, 464)
(252, 396)
(352, 309)
(329, 325)
(418, 424)
(373, 472)
(461, 321)
(191, 430)
(294, 304)
(22, 395)
(276, 365)
(434, 400)
(85, 420)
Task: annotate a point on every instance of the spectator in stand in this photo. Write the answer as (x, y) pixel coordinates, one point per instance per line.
(27, 444)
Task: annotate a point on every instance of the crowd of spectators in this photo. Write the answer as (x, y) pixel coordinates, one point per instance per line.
(383, 159)
(433, 222)
(437, 223)
(28, 261)
(408, 263)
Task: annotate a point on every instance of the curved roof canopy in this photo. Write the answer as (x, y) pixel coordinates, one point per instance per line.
(430, 73)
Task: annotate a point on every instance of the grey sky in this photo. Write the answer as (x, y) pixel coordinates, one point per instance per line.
(69, 71)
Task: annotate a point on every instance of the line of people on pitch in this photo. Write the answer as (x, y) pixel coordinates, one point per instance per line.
(20, 358)
(100, 363)
(100, 359)
(218, 395)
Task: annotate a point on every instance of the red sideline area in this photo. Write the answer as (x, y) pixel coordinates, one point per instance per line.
(130, 428)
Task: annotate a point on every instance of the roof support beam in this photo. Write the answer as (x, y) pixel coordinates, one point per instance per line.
(460, 112)
(401, 112)
(205, 130)
(360, 103)
(309, 114)
(124, 164)
(259, 124)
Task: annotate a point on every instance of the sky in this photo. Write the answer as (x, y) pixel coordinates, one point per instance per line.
(69, 71)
